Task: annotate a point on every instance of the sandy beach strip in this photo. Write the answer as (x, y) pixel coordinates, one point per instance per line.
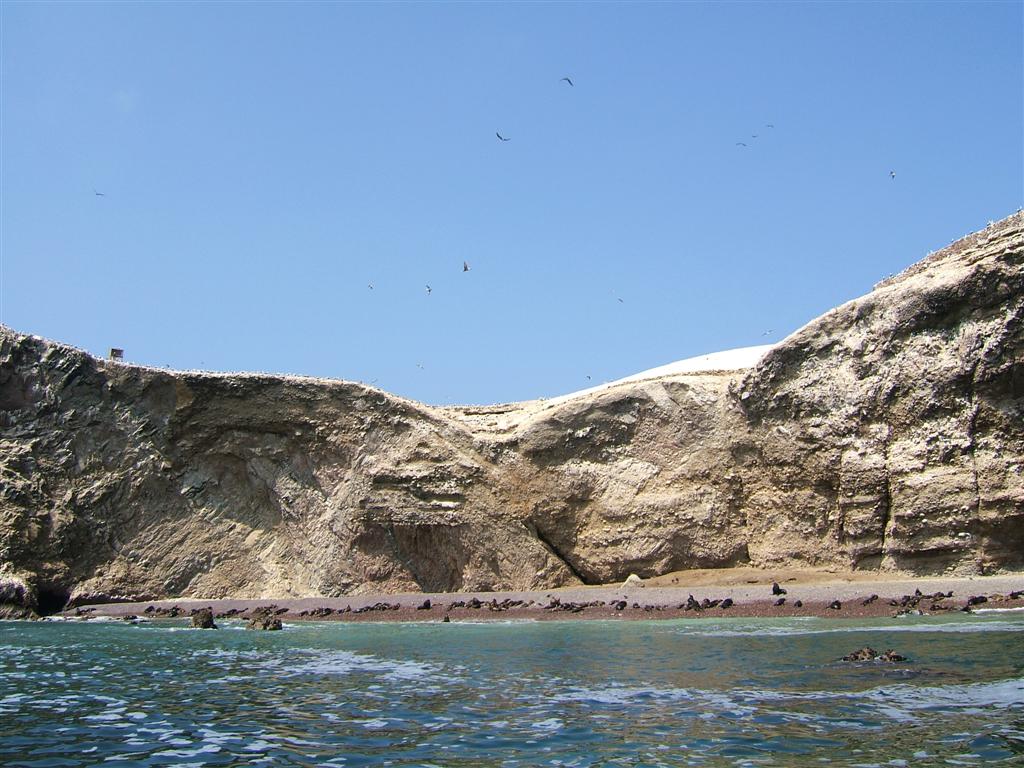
(817, 595)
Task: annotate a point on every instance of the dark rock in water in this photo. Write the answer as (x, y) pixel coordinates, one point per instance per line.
(835, 605)
(780, 601)
(424, 606)
(203, 619)
(867, 653)
(798, 604)
(777, 590)
(891, 656)
(727, 603)
(264, 619)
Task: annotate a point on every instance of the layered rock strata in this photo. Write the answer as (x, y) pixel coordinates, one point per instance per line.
(887, 434)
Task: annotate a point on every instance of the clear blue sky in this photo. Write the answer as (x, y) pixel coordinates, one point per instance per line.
(262, 164)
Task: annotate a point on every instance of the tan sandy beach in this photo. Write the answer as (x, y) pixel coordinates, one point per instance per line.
(664, 597)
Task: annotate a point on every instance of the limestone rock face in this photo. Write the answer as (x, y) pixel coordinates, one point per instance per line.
(886, 434)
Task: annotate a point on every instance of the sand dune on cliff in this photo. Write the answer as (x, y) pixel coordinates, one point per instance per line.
(727, 360)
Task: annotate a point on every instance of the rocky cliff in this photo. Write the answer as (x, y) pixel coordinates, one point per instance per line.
(886, 434)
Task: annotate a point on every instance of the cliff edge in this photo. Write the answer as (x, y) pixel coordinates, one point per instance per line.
(887, 434)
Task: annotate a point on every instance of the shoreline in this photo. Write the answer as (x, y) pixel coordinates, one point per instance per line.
(893, 597)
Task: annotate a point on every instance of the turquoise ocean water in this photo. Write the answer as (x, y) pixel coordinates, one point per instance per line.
(709, 692)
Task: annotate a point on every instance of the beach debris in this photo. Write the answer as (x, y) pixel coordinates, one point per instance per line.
(170, 613)
(776, 589)
(835, 605)
(378, 607)
(867, 653)
(319, 612)
(264, 619)
(632, 580)
(908, 602)
(202, 618)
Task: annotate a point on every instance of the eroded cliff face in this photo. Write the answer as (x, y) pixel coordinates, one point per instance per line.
(887, 434)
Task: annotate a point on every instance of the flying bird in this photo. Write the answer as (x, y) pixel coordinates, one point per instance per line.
(429, 290)
(588, 378)
(892, 174)
(769, 125)
(768, 332)
(620, 301)
(568, 80)
(98, 194)
(465, 266)
(740, 144)
(370, 286)
(753, 135)
(501, 137)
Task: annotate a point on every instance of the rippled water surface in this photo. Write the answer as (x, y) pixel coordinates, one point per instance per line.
(688, 692)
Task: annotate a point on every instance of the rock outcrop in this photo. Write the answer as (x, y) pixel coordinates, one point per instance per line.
(886, 434)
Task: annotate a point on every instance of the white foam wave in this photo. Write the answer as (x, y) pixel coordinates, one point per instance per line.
(347, 662)
(787, 630)
(897, 702)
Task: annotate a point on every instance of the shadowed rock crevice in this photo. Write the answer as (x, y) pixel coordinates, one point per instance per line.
(550, 546)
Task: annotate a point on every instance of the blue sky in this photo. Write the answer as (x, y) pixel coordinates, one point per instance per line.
(263, 164)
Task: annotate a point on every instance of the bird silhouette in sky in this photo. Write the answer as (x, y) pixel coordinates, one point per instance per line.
(753, 136)
(769, 125)
(740, 144)
(429, 290)
(568, 80)
(370, 286)
(768, 332)
(501, 137)
(892, 174)
(98, 194)
(621, 301)
(465, 266)
(588, 378)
